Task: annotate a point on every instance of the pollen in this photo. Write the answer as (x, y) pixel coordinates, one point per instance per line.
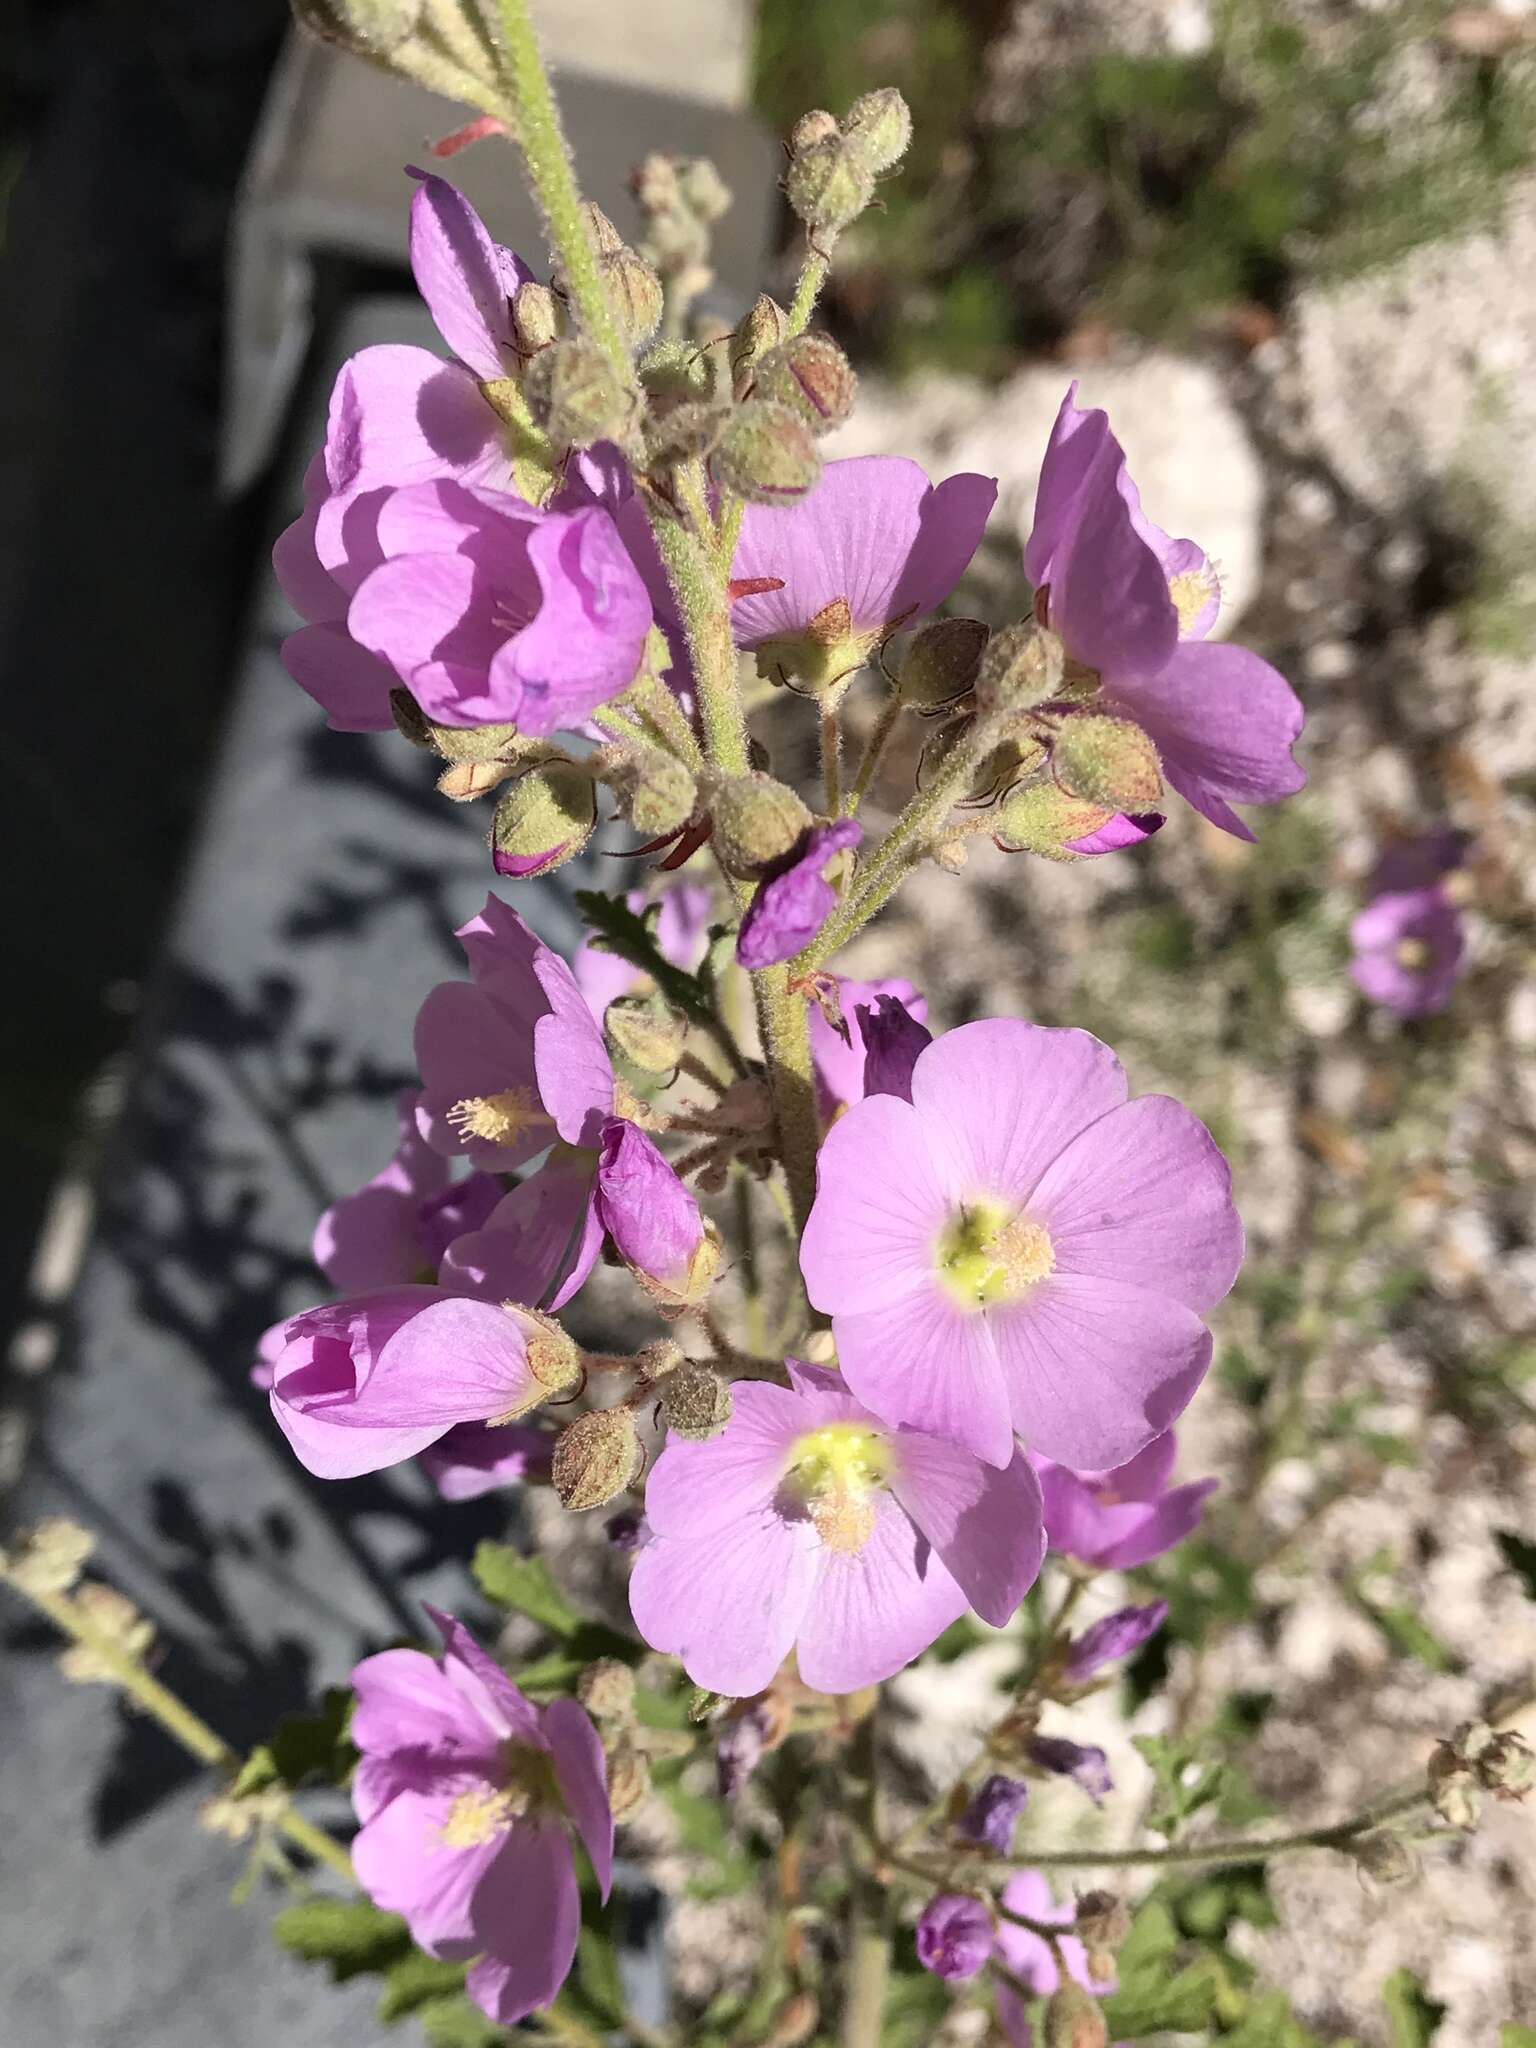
(1191, 591)
(1412, 954)
(499, 1119)
(988, 1253)
(477, 1816)
(837, 1471)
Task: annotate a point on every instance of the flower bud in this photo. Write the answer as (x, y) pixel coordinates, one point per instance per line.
(114, 1617)
(659, 793)
(696, 1402)
(940, 663)
(1106, 761)
(757, 821)
(629, 1780)
(1073, 2019)
(553, 1358)
(828, 184)
(703, 191)
(602, 230)
(537, 317)
(453, 742)
(607, 1690)
(595, 1458)
(653, 1219)
(544, 820)
(762, 329)
(1044, 819)
(1021, 667)
(816, 126)
(673, 374)
(635, 294)
(1386, 1858)
(1454, 1789)
(681, 433)
(812, 377)
(879, 126)
(655, 1360)
(1102, 1923)
(48, 1557)
(574, 393)
(645, 1036)
(1501, 1761)
(462, 781)
(766, 455)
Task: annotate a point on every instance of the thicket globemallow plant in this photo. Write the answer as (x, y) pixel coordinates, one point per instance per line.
(857, 1341)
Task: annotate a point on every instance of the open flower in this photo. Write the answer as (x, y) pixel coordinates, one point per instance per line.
(512, 1058)
(809, 1525)
(349, 684)
(872, 547)
(794, 899)
(1410, 946)
(363, 1384)
(954, 1936)
(1029, 1955)
(398, 1226)
(1133, 607)
(1113, 1520)
(838, 1062)
(491, 611)
(468, 1795)
(1020, 1249)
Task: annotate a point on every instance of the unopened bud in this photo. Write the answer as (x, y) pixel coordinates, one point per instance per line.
(696, 1402)
(1045, 820)
(574, 393)
(1386, 1858)
(607, 1690)
(766, 455)
(658, 792)
(1073, 2019)
(940, 663)
(117, 1620)
(816, 126)
(682, 433)
(629, 1780)
(811, 375)
(762, 329)
(544, 820)
(1106, 761)
(655, 1360)
(1454, 1789)
(646, 1036)
(1103, 1921)
(602, 230)
(537, 317)
(879, 126)
(703, 191)
(453, 742)
(1502, 1761)
(757, 821)
(829, 183)
(553, 1358)
(1021, 667)
(462, 781)
(635, 293)
(675, 373)
(48, 1557)
(595, 1458)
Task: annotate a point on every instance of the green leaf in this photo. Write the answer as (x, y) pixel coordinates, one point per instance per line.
(631, 935)
(524, 1583)
(351, 1935)
(1515, 2036)
(314, 1744)
(1269, 2022)
(417, 1980)
(1186, 1780)
(597, 1978)
(455, 2023)
(1412, 2016)
(1181, 2004)
(1520, 1556)
(257, 1772)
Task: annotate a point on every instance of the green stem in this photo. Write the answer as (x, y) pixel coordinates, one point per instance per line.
(700, 592)
(536, 124)
(176, 1717)
(832, 757)
(813, 276)
(874, 748)
(786, 1035)
(868, 1964)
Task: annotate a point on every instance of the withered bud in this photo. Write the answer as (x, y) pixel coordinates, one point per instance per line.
(950, 854)
(607, 1689)
(1386, 1858)
(1501, 1760)
(695, 1401)
(757, 821)
(829, 183)
(602, 230)
(1073, 2019)
(574, 393)
(645, 1036)
(544, 820)
(462, 781)
(1021, 667)
(48, 1557)
(703, 191)
(537, 316)
(1106, 761)
(629, 1780)
(940, 662)
(761, 330)
(766, 454)
(595, 1458)
(816, 126)
(812, 377)
(1455, 1791)
(1103, 1920)
(120, 1622)
(655, 1360)
(553, 1358)
(879, 126)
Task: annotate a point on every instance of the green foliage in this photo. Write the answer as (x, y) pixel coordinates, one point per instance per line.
(631, 934)
(1187, 1780)
(1516, 2036)
(1155, 1993)
(418, 1980)
(525, 1584)
(1413, 2018)
(304, 1747)
(704, 1828)
(1406, 1631)
(455, 2023)
(351, 1935)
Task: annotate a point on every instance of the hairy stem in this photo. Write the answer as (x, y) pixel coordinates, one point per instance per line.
(536, 124)
(832, 758)
(874, 749)
(813, 276)
(175, 1716)
(786, 1035)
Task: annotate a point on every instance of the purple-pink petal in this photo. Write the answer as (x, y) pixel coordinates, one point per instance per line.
(1117, 833)
(476, 1458)
(794, 900)
(1118, 1635)
(993, 1812)
(650, 1215)
(538, 1244)
(527, 1916)
(954, 1936)
(984, 1523)
(1409, 950)
(838, 1060)
(729, 1608)
(872, 1612)
(404, 1866)
(582, 1775)
(459, 273)
(893, 1038)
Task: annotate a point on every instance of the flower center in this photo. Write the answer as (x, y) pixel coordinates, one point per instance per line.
(1412, 954)
(836, 1471)
(499, 1119)
(989, 1253)
(477, 1816)
(1191, 591)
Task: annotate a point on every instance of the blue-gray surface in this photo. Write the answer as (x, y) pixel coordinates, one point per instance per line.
(318, 912)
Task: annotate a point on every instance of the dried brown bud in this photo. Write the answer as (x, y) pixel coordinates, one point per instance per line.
(607, 1689)
(696, 1402)
(762, 329)
(595, 1458)
(629, 1780)
(537, 316)
(1073, 2019)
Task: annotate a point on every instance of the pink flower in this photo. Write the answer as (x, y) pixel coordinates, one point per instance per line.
(477, 1458)
(1114, 1520)
(809, 1525)
(511, 1058)
(490, 611)
(1118, 833)
(397, 1226)
(794, 899)
(1020, 1249)
(1134, 606)
(538, 1244)
(954, 1936)
(363, 1384)
(681, 925)
(1028, 1955)
(838, 1061)
(652, 1218)
(873, 546)
(1410, 948)
(467, 1794)
(1118, 1635)
(350, 685)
